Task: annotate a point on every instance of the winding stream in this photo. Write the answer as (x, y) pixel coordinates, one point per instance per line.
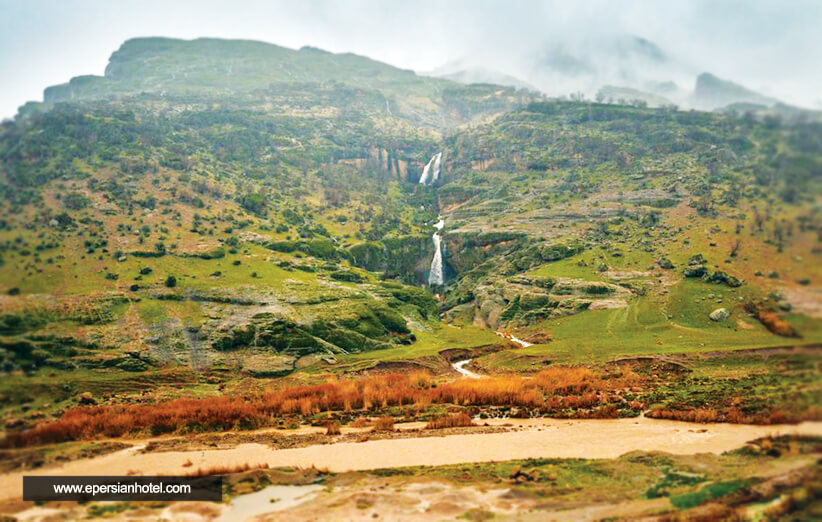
(524, 344)
(460, 367)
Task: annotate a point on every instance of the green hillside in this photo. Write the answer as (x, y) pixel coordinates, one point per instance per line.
(213, 213)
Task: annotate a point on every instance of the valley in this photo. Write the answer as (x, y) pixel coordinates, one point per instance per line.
(319, 269)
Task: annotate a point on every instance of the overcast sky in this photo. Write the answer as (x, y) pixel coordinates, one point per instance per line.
(774, 47)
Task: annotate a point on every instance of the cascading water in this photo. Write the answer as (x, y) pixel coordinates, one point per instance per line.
(437, 160)
(431, 171)
(435, 275)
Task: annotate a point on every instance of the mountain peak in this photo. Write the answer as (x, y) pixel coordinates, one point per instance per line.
(712, 92)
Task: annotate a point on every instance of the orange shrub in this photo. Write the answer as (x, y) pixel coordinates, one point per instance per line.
(360, 422)
(457, 420)
(776, 324)
(384, 424)
(550, 390)
(225, 470)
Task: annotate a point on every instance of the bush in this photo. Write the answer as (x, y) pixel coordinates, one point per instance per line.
(333, 428)
(171, 281)
(776, 324)
(348, 276)
(458, 420)
(217, 253)
(76, 201)
(391, 320)
(384, 424)
(555, 390)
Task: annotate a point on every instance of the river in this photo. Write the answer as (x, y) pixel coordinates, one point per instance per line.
(536, 438)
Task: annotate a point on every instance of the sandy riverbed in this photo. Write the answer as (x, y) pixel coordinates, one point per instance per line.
(546, 438)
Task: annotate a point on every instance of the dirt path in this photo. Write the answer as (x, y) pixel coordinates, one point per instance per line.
(546, 438)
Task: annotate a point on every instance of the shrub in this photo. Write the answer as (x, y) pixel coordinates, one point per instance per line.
(347, 276)
(225, 470)
(776, 324)
(333, 428)
(361, 422)
(76, 201)
(552, 390)
(457, 420)
(384, 424)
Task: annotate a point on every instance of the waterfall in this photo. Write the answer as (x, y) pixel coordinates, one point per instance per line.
(437, 160)
(435, 275)
(431, 171)
(424, 177)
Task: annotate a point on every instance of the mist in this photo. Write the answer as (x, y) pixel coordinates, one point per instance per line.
(557, 47)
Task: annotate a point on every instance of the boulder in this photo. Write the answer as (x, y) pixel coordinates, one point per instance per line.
(719, 314)
(696, 267)
(14, 422)
(695, 271)
(723, 278)
(665, 263)
(87, 399)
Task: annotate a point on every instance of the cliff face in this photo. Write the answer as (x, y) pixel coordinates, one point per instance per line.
(209, 67)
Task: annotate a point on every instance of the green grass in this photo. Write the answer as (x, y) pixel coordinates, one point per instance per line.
(709, 492)
(430, 341)
(627, 478)
(644, 328)
(570, 268)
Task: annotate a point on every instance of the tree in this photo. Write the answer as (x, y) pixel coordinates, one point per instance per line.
(75, 201)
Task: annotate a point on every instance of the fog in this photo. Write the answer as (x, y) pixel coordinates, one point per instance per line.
(558, 47)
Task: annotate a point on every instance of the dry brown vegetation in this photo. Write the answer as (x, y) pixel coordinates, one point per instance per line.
(384, 424)
(551, 391)
(733, 415)
(458, 420)
(776, 324)
(225, 470)
(361, 422)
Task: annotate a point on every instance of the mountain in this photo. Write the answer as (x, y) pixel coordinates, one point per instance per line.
(468, 70)
(238, 68)
(588, 64)
(465, 74)
(627, 95)
(211, 215)
(625, 66)
(239, 180)
(711, 92)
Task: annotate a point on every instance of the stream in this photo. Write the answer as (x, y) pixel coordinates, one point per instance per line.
(460, 367)
(524, 344)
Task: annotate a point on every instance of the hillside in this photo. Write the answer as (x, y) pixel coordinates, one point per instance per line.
(211, 215)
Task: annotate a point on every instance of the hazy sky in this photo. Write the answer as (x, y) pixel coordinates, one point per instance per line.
(774, 47)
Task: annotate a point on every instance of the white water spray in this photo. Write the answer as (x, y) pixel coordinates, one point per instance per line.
(431, 171)
(435, 275)
(437, 161)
